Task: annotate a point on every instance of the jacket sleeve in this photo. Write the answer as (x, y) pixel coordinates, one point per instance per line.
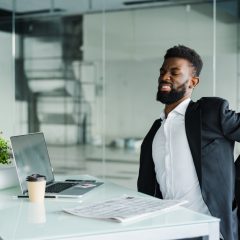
(219, 119)
(147, 178)
(230, 122)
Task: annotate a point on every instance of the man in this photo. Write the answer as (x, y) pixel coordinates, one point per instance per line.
(188, 152)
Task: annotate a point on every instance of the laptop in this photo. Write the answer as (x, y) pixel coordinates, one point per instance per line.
(31, 156)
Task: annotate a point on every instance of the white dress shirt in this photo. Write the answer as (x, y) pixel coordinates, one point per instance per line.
(174, 167)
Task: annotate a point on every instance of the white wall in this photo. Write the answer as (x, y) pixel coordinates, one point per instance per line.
(13, 119)
(135, 43)
(7, 97)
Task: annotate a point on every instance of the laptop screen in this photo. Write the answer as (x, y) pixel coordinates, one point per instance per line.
(31, 156)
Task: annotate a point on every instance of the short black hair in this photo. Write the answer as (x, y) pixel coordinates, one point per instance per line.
(191, 55)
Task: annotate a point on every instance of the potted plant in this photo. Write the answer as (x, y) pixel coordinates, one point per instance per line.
(5, 151)
(8, 174)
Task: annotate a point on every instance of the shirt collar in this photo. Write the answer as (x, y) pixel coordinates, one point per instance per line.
(181, 108)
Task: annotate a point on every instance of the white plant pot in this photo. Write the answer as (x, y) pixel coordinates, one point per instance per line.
(8, 176)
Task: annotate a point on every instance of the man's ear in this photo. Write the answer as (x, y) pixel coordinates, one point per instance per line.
(194, 82)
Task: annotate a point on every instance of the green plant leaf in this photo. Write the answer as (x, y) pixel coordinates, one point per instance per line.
(4, 151)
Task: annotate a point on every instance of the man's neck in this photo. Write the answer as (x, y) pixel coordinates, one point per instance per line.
(169, 107)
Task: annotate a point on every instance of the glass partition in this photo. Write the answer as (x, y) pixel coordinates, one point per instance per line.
(85, 73)
(227, 54)
(136, 41)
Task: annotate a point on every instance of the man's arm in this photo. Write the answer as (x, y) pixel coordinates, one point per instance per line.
(230, 122)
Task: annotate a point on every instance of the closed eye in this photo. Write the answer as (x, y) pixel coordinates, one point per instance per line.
(175, 73)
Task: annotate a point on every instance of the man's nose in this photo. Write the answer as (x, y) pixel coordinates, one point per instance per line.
(165, 76)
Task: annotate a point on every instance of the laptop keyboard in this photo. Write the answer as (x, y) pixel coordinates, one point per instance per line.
(59, 187)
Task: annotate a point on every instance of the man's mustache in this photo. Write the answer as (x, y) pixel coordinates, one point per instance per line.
(162, 82)
(171, 84)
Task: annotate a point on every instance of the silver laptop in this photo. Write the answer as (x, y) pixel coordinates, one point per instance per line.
(31, 156)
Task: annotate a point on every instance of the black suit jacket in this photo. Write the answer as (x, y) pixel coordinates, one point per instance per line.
(211, 130)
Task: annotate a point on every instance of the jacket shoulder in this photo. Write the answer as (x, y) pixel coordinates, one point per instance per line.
(216, 100)
(212, 102)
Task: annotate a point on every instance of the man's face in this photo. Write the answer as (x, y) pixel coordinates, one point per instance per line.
(174, 82)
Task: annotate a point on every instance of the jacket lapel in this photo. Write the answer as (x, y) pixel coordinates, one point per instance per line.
(193, 132)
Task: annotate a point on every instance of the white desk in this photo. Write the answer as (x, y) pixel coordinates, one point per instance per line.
(22, 220)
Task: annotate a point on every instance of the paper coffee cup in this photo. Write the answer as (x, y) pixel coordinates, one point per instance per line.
(36, 184)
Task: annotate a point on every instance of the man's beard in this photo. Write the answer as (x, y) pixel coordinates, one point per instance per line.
(173, 96)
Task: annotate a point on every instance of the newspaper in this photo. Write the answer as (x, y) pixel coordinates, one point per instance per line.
(124, 209)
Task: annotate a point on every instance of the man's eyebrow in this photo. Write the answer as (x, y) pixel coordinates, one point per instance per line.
(175, 68)
(171, 69)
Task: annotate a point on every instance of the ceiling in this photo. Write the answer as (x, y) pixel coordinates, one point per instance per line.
(69, 7)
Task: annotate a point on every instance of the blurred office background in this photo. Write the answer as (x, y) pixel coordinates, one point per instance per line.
(85, 73)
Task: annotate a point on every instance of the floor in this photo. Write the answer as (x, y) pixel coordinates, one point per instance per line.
(120, 165)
